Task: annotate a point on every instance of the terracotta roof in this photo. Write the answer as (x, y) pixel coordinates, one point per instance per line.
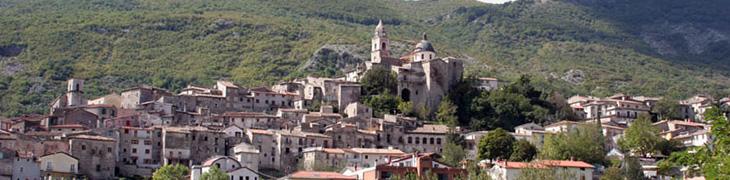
(92, 137)
(431, 129)
(394, 152)
(260, 131)
(563, 122)
(64, 153)
(560, 163)
(319, 175)
(69, 126)
(544, 164)
(211, 160)
(248, 114)
(520, 165)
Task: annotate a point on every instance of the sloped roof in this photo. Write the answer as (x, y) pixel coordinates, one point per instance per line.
(319, 175)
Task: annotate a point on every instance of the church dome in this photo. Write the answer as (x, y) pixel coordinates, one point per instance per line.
(424, 45)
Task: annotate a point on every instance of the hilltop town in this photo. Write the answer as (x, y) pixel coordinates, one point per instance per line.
(323, 128)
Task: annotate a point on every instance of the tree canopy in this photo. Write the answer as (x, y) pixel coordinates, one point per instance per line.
(523, 151)
(171, 172)
(640, 137)
(214, 173)
(496, 145)
(586, 143)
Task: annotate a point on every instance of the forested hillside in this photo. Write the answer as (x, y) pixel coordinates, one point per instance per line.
(651, 47)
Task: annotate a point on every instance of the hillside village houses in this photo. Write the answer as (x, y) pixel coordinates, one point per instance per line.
(254, 133)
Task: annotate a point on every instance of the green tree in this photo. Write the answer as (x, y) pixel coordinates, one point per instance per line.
(715, 156)
(545, 173)
(379, 80)
(214, 173)
(667, 147)
(171, 172)
(446, 113)
(453, 154)
(585, 143)
(496, 145)
(631, 168)
(382, 104)
(406, 107)
(667, 108)
(523, 150)
(640, 137)
(613, 173)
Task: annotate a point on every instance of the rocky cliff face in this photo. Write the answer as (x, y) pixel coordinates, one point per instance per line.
(674, 39)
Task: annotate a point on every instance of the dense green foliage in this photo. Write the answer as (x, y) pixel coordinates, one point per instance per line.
(641, 137)
(171, 172)
(116, 44)
(495, 145)
(523, 151)
(453, 154)
(446, 113)
(514, 104)
(214, 173)
(716, 160)
(378, 81)
(586, 143)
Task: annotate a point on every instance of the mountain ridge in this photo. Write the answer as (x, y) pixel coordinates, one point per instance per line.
(117, 44)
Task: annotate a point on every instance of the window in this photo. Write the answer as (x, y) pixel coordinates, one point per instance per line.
(134, 141)
(98, 167)
(431, 141)
(73, 168)
(49, 166)
(83, 147)
(109, 149)
(438, 141)
(410, 140)
(134, 150)
(418, 140)
(147, 142)
(146, 151)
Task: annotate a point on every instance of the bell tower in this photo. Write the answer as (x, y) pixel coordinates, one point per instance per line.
(380, 44)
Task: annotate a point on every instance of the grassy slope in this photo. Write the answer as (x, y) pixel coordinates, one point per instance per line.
(119, 43)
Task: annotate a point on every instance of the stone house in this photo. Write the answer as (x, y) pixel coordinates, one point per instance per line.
(346, 135)
(265, 143)
(59, 166)
(426, 138)
(247, 155)
(131, 98)
(512, 170)
(191, 144)
(25, 167)
(139, 151)
(97, 155)
(421, 165)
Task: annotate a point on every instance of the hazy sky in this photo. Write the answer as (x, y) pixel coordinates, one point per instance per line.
(495, 1)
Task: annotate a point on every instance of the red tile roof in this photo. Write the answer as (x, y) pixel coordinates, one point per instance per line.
(319, 175)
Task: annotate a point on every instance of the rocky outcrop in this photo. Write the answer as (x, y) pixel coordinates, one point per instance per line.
(340, 57)
(574, 76)
(675, 39)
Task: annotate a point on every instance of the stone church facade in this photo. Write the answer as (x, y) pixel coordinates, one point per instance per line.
(423, 78)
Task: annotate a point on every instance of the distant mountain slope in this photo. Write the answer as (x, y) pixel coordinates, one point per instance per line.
(652, 47)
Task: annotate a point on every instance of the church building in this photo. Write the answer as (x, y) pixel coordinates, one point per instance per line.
(423, 78)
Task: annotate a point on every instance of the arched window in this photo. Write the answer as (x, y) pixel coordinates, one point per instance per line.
(405, 95)
(383, 46)
(422, 56)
